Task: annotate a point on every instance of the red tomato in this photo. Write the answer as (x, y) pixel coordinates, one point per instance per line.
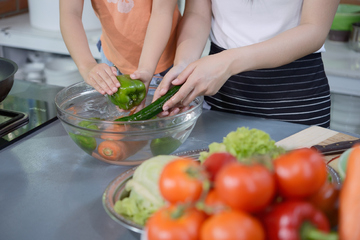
(170, 224)
(181, 181)
(231, 225)
(245, 187)
(216, 161)
(327, 200)
(300, 173)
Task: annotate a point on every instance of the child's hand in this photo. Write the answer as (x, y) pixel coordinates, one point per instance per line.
(143, 75)
(103, 78)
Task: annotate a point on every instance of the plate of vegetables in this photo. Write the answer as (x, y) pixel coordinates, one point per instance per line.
(210, 172)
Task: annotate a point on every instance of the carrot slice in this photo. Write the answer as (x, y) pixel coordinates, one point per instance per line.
(118, 151)
(350, 198)
(111, 150)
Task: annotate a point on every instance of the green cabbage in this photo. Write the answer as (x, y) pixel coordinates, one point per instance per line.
(245, 143)
(144, 198)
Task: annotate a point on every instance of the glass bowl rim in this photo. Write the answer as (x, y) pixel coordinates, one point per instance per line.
(199, 99)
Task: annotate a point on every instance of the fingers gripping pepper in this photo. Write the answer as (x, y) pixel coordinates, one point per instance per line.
(130, 94)
(297, 220)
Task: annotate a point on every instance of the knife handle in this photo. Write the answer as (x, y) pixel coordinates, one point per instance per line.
(335, 147)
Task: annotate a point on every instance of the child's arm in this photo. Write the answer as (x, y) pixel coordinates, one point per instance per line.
(156, 39)
(100, 76)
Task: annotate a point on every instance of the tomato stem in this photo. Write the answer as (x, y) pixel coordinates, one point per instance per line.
(178, 212)
(193, 172)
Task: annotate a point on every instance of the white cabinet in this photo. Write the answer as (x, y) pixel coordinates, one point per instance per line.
(17, 32)
(32, 47)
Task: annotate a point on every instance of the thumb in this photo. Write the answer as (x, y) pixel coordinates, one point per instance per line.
(135, 75)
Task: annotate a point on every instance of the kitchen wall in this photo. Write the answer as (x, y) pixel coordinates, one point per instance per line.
(10, 8)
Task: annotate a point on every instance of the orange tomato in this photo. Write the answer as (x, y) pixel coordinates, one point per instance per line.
(175, 223)
(181, 181)
(231, 225)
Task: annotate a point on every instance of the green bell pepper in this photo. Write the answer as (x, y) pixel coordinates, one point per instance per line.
(88, 124)
(86, 143)
(130, 94)
(164, 146)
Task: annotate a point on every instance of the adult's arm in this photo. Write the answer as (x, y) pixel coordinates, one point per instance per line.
(206, 75)
(193, 32)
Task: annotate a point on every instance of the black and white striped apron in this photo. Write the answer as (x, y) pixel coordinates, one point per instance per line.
(297, 92)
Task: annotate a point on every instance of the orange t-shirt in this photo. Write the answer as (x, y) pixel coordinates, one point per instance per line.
(124, 24)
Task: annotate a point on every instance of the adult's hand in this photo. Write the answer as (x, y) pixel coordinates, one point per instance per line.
(103, 78)
(165, 84)
(164, 87)
(203, 77)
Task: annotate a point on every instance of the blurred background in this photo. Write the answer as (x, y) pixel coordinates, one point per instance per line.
(30, 36)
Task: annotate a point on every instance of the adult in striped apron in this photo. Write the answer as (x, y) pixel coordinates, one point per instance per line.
(265, 58)
(297, 92)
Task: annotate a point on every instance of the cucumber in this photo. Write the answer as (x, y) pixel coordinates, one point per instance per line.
(152, 109)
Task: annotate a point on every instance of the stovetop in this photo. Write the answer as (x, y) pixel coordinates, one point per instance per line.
(28, 107)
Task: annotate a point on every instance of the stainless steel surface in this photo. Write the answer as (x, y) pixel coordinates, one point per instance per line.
(335, 176)
(10, 121)
(50, 189)
(33, 99)
(192, 153)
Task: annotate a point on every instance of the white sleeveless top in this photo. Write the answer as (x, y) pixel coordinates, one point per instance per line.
(237, 23)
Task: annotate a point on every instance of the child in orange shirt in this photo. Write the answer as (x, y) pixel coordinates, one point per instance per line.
(138, 38)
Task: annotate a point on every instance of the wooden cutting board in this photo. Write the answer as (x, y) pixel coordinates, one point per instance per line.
(316, 135)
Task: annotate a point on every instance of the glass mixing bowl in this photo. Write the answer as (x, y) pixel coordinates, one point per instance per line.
(89, 119)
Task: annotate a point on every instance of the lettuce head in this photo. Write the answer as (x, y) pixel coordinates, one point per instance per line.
(245, 143)
(144, 194)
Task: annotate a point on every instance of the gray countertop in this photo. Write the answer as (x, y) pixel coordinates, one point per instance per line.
(51, 189)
